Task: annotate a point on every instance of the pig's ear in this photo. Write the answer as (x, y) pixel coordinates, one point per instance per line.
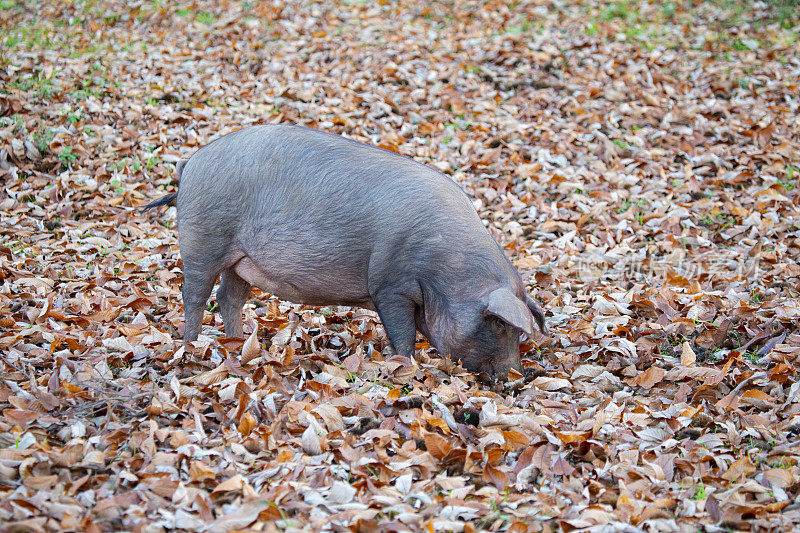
(537, 313)
(505, 305)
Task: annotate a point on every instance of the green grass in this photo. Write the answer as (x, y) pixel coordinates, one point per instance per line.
(751, 356)
(42, 86)
(653, 28)
(42, 139)
(786, 12)
(67, 156)
(740, 45)
(151, 162)
(700, 492)
(74, 116)
(27, 36)
(116, 184)
(622, 144)
(95, 87)
(619, 10)
(626, 204)
(14, 119)
(205, 18)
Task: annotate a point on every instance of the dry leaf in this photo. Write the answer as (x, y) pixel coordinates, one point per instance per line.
(436, 445)
(239, 518)
(551, 384)
(247, 423)
(742, 467)
(688, 356)
(251, 348)
(312, 443)
(649, 378)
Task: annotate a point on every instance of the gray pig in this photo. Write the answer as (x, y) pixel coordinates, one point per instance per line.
(315, 218)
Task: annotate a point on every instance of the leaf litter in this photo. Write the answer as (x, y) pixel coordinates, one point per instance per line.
(637, 161)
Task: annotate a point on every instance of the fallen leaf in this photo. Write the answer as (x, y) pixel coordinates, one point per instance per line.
(742, 467)
(649, 378)
(688, 356)
(251, 348)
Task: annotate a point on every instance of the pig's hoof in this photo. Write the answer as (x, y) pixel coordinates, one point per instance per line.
(485, 378)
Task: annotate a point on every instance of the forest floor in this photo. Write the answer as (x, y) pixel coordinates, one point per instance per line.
(638, 161)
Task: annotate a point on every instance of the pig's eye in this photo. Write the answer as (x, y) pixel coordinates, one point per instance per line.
(495, 324)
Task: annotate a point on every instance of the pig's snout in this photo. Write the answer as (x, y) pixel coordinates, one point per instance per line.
(494, 355)
(500, 369)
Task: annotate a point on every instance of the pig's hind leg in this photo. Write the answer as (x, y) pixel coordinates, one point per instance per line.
(197, 286)
(231, 296)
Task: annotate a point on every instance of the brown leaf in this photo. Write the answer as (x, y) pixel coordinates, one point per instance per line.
(763, 135)
(251, 348)
(740, 468)
(312, 443)
(712, 506)
(770, 344)
(211, 376)
(436, 445)
(728, 403)
(331, 416)
(247, 423)
(513, 375)
(238, 519)
(688, 356)
(515, 437)
(234, 483)
(561, 467)
(781, 477)
(495, 476)
(757, 398)
(714, 379)
(551, 384)
(199, 471)
(571, 437)
(649, 378)
(525, 458)
(352, 363)
(518, 527)
(19, 416)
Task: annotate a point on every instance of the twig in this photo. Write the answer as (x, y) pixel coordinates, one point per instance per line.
(789, 400)
(166, 325)
(758, 337)
(123, 400)
(740, 386)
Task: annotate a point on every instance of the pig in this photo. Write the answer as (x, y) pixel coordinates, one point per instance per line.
(315, 218)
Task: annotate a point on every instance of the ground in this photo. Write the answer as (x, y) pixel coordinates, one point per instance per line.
(637, 160)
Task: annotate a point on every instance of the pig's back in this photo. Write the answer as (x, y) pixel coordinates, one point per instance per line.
(300, 174)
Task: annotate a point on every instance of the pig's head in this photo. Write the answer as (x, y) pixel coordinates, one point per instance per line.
(484, 333)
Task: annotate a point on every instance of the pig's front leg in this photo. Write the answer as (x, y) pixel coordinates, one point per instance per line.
(397, 314)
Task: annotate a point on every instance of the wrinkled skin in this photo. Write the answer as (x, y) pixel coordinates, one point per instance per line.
(315, 218)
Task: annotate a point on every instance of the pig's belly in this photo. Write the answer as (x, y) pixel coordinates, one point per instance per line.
(327, 290)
